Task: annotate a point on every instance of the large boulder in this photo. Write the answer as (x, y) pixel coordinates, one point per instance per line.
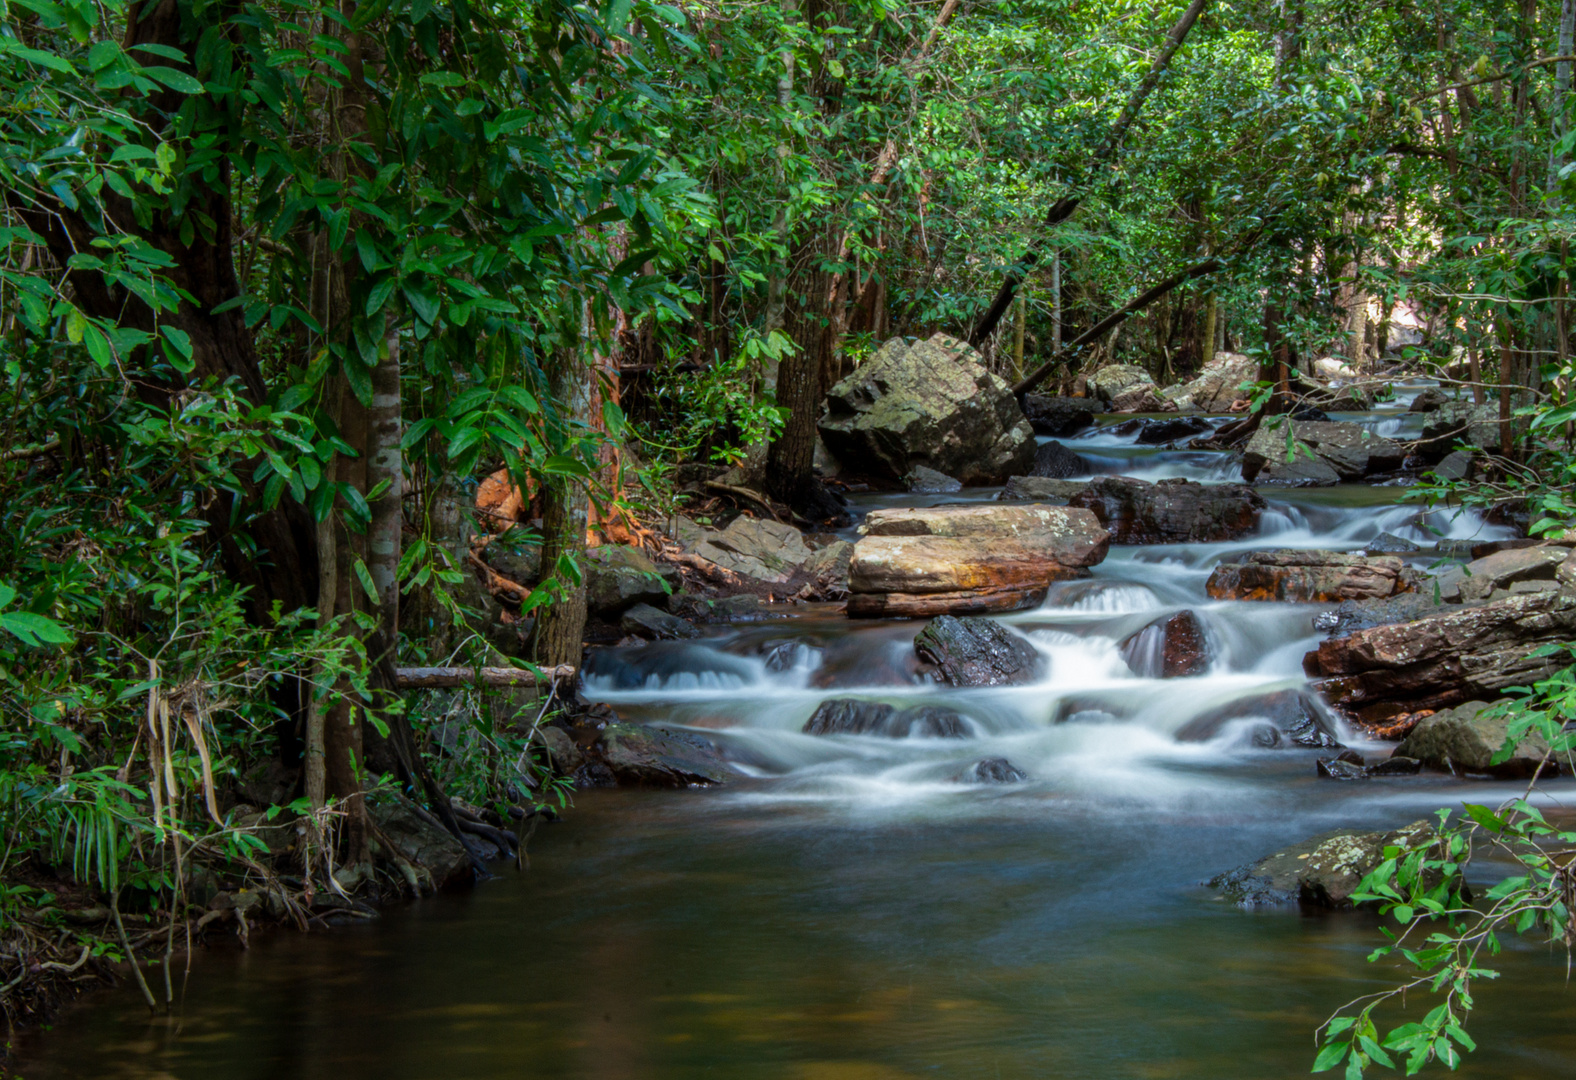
(1217, 386)
(1349, 451)
(1301, 576)
(641, 756)
(618, 577)
(1322, 872)
(1463, 740)
(977, 652)
(767, 551)
(1443, 660)
(1172, 511)
(933, 404)
(1463, 422)
(1171, 647)
(1059, 417)
(1128, 388)
(968, 559)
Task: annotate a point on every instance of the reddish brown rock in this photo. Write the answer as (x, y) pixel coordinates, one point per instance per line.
(1172, 511)
(917, 563)
(1168, 648)
(1310, 577)
(1443, 660)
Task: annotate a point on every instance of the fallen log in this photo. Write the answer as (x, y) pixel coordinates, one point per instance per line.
(423, 678)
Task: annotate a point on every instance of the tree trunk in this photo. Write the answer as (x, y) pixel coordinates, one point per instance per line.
(558, 634)
(1056, 302)
(790, 476)
(1207, 338)
(1064, 207)
(385, 464)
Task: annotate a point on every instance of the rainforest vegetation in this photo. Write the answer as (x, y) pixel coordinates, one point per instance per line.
(293, 291)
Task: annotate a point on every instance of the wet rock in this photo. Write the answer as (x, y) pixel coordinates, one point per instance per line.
(1172, 511)
(1041, 489)
(645, 621)
(1462, 739)
(850, 716)
(1349, 765)
(1059, 417)
(970, 559)
(1055, 461)
(421, 842)
(638, 755)
(562, 755)
(993, 771)
(1442, 660)
(1366, 614)
(1340, 769)
(1431, 400)
(1159, 432)
(1218, 384)
(1299, 576)
(1390, 544)
(933, 404)
(1396, 765)
(930, 722)
(1350, 451)
(1322, 872)
(1171, 647)
(926, 481)
(767, 551)
(1497, 575)
(1295, 716)
(1463, 422)
(977, 652)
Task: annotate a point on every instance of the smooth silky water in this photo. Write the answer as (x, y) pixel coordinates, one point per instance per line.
(850, 911)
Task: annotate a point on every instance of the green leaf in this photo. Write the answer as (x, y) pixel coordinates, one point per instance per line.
(1331, 1056)
(364, 576)
(33, 629)
(174, 79)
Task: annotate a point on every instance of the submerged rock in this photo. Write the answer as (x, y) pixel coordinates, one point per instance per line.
(638, 755)
(1299, 576)
(1463, 740)
(931, 403)
(993, 771)
(1171, 647)
(1322, 872)
(1443, 660)
(1350, 766)
(851, 716)
(977, 652)
(1294, 716)
(1059, 417)
(1172, 511)
(973, 559)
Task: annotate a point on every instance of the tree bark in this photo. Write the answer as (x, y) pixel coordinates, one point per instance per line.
(385, 464)
(557, 636)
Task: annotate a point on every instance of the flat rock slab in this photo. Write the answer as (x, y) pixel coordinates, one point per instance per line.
(641, 756)
(1443, 660)
(977, 652)
(1322, 872)
(768, 551)
(974, 559)
(1299, 576)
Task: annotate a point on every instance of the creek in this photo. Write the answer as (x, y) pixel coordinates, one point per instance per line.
(850, 911)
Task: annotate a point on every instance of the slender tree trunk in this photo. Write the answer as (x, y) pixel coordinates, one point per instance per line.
(1207, 338)
(1064, 207)
(1021, 318)
(558, 634)
(385, 464)
(777, 279)
(1056, 302)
